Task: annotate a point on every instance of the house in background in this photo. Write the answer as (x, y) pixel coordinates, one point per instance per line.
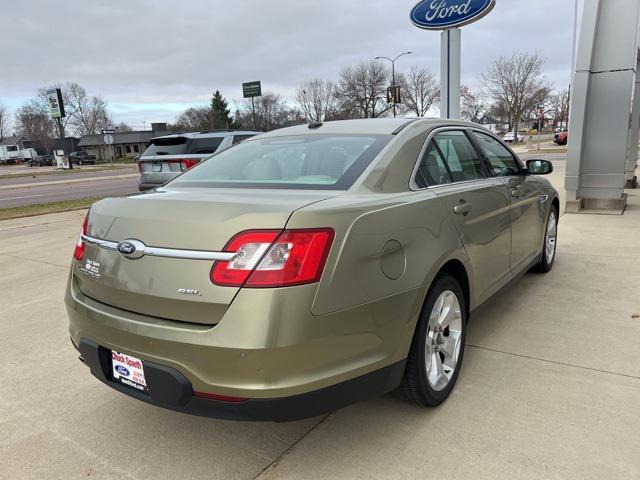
(125, 144)
(19, 140)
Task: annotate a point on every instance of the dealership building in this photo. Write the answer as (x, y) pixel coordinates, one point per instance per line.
(125, 144)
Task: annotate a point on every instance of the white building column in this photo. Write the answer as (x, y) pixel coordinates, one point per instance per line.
(450, 66)
(634, 135)
(604, 83)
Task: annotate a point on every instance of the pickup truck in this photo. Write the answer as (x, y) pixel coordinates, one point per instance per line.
(80, 158)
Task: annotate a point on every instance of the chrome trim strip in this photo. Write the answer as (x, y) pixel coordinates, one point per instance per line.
(166, 252)
(100, 243)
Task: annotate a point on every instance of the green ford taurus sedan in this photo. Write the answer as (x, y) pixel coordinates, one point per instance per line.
(308, 268)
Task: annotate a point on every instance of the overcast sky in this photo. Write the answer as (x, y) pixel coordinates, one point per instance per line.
(150, 60)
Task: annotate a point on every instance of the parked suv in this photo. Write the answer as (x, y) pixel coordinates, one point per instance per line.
(80, 158)
(171, 155)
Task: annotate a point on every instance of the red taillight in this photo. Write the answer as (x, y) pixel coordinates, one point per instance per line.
(139, 166)
(271, 259)
(187, 163)
(78, 253)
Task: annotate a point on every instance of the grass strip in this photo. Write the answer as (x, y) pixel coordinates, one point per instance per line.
(46, 208)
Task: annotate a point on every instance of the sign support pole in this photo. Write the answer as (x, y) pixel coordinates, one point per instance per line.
(451, 54)
(253, 107)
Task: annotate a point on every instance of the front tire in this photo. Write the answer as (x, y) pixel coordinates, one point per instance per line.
(437, 349)
(549, 246)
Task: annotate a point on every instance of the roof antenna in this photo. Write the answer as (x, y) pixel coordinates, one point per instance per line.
(315, 125)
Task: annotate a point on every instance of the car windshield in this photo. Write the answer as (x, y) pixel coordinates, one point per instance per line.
(320, 162)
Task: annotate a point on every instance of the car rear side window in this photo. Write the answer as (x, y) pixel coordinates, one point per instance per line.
(502, 161)
(432, 170)
(460, 155)
(320, 162)
(205, 145)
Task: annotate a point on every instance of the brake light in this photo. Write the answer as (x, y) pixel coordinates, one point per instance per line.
(272, 259)
(78, 253)
(187, 163)
(139, 166)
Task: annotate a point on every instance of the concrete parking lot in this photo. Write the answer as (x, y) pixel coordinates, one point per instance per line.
(550, 387)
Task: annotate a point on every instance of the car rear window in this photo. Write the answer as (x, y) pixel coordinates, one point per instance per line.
(319, 162)
(167, 146)
(206, 145)
(183, 146)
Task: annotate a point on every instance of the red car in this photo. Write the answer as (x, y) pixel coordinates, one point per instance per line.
(561, 138)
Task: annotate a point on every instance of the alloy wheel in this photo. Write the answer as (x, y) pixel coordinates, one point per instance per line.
(552, 235)
(442, 346)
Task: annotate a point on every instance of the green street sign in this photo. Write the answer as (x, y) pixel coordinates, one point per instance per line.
(252, 89)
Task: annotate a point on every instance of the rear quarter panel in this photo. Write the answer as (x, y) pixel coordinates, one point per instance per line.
(385, 245)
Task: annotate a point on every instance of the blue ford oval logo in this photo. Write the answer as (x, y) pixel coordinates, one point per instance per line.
(126, 248)
(132, 249)
(445, 14)
(122, 370)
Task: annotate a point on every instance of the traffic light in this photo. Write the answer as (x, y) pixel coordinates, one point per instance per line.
(393, 95)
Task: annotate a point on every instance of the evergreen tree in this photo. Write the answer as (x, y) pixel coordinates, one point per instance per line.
(220, 114)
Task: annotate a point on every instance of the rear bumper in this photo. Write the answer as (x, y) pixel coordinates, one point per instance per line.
(169, 389)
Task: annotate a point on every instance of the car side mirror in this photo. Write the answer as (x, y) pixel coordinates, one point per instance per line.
(539, 167)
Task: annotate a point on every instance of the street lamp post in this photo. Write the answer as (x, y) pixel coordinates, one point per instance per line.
(393, 71)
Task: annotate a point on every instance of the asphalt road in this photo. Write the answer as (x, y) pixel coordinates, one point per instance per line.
(22, 191)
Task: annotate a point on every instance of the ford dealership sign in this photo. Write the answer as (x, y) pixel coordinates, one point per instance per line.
(445, 14)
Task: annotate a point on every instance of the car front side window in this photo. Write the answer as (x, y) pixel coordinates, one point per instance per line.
(502, 161)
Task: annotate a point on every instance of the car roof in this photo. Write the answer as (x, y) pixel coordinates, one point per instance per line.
(369, 126)
(210, 134)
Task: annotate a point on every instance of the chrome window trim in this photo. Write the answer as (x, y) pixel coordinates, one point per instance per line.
(165, 252)
(413, 186)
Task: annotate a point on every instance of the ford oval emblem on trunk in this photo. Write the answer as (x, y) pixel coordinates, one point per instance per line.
(131, 249)
(445, 14)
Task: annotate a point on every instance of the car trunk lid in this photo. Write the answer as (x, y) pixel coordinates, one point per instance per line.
(190, 219)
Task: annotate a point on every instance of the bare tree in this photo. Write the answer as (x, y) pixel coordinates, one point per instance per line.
(194, 119)
(471, 107)
(272, 112)
(362, 89)
(87, 114)
(5, 122)
(123, 127)
(33, 121)
(558, 107)
(317, 99)
(518, 82)
(420, 90)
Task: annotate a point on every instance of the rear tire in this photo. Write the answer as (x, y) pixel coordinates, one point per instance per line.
(437, 349)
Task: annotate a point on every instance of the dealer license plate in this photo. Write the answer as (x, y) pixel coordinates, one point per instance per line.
(128, 370)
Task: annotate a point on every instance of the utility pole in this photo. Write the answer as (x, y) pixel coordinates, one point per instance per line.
(393, 72)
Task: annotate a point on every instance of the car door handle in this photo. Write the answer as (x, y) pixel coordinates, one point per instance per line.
(463, 209)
